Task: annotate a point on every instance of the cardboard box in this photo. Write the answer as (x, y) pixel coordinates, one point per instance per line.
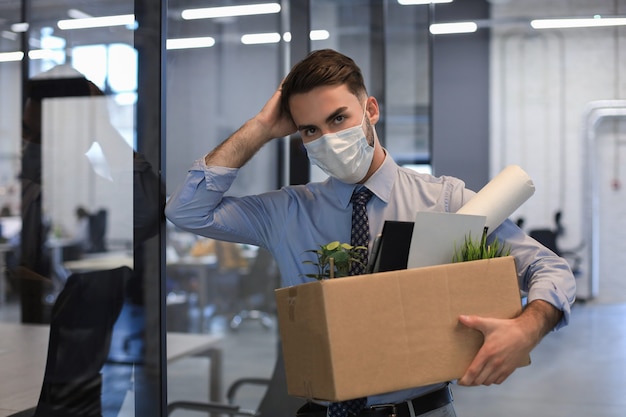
(370, 334)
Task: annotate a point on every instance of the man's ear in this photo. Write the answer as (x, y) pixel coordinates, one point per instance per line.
(372, 110)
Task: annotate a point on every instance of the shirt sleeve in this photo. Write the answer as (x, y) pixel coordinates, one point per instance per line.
(541, 273)
(199, 206)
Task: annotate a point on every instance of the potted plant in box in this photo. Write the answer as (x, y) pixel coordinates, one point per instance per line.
(334, 259)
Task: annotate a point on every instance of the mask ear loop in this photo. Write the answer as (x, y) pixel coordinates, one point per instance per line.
(374, 132)
(364, 113)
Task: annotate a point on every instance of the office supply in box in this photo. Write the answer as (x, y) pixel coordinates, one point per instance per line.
(504, 194)
(350, 337)
(437, 235)
(390, 251)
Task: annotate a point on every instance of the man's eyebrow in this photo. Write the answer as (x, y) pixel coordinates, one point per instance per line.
(329, 119)
(336, 113)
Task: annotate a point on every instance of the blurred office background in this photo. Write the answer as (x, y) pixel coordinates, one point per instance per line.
(172, 81)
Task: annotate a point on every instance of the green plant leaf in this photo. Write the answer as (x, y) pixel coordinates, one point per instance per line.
(343, 254)
(472, 250)
(332, 245)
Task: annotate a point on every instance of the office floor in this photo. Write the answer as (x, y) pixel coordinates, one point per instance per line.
(248, 352)
(577, 371)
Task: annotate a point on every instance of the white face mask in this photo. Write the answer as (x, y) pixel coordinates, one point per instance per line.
(345, 155)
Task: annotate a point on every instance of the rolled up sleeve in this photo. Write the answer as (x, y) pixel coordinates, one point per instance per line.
(541, 273)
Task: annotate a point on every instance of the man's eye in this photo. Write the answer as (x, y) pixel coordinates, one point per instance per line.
(339, 119)
(309, 131)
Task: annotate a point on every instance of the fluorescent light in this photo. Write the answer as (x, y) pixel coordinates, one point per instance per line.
(319, 35)
(413, 2)
(186, 43)
(259, 38)
(7, 34)
(231, 11)
(40, 54)
(577, 22)
(314, 35)
(456, 27)
(11, 56)
(97, 22)
(19, 27)
(247, 39)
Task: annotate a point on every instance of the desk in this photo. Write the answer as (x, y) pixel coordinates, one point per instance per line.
(182, 345)
(100, 261)
(24, 348)
(202, 267)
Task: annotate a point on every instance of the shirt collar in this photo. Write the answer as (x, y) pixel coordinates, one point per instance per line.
(380, 183)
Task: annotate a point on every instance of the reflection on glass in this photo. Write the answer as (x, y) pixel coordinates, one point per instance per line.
(76, 219)
(81, 185)
(215, 82)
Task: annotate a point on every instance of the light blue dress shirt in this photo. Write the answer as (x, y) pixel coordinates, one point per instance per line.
(294, 219)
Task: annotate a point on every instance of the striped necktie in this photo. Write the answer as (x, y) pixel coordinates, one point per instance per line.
(359, 237)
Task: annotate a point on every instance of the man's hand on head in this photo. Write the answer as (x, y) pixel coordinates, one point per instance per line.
(242, 145)
(273, 121)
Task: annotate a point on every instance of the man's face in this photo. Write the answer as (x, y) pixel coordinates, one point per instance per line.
(327, 109)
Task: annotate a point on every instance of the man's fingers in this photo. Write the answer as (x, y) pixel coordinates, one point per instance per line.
(489, 365)
(475, 322)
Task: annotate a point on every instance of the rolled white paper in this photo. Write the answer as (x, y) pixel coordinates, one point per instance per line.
(504, 194)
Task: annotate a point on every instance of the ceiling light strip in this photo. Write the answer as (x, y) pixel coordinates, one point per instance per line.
(456, 27)
(260, 38)
(97, 22)
(11, 56)
(188, 43)
(231, 11)
(415, 2)
(577, 22)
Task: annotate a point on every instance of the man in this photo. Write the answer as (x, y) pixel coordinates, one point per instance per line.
(324, 98)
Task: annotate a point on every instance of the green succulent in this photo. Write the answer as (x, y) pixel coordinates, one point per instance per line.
(342, 255)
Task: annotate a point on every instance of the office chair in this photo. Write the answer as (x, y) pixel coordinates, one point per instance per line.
(256, 292)
(548, 238)
(97, 231)
(80, 335)
(275, 403)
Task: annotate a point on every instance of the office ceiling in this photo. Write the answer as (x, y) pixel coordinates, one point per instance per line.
(46, 13)
(52, 10)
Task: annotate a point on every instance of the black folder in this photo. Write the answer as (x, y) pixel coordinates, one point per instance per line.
(391, 248)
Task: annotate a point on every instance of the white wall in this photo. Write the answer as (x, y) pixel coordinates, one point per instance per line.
(85, 162)
(541, 84)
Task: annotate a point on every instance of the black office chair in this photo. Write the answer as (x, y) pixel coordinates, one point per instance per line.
(97, 231)
(549, 237)
(275, 403)
(80, 335)
(257, 292)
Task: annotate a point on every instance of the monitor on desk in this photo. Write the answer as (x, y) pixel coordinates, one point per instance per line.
(10, 227)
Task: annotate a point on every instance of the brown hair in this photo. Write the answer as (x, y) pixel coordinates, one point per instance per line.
(322, 68)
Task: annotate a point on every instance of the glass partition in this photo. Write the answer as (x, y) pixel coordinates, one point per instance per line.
(220, 72)
(80, 203)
